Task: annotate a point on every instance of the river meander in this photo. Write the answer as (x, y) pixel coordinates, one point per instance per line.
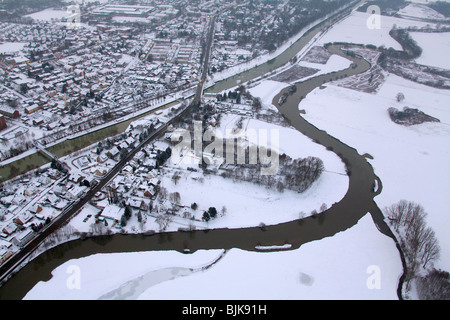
(358, 201)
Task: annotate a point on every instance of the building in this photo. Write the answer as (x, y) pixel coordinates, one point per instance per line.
(123, 10)
(9, 112)
(113, 153)
(76, 178)
(2, 123)
(76, 192)
(35, 209)
(4, 255)
(150, 192)
(112, 212)
(139, 204)
(9, 229)
(23, 237)
(23, 218)
(33, 108)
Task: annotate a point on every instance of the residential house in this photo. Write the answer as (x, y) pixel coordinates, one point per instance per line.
(154, 181)
(99, 172)
(23, 218)
(35, 209)
(23, 237)
(76, 192)
(52, 198)
(31, 191)
(138, 204)
(9, 112)
(10, 228)
(113, 153)
(33, 108)
(150, 191)
(76, 178)
(130, 141)
(59, 189)
(102, 158)
(112, 212)
(128, 169)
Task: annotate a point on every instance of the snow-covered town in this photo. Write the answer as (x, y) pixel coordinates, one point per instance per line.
(164, 120)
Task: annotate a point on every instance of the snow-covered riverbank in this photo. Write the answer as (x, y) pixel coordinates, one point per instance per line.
(412, 162)
(332, 268)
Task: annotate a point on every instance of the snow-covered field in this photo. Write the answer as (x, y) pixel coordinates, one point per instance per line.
(332, 268)
(435, 49)
(49, 15)
(420, 11)
(412, 162)
(247, 204)
(354, 29)
(266, 90)
(334, 63)
(11, 47)
(424, 1)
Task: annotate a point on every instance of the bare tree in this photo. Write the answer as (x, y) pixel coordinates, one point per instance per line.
(97, 228)
(417, 241)
(175, 197)
(162, 193)
(431, 249)
(163, 221)
(176, 177)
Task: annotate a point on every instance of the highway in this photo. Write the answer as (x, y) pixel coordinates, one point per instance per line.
(9, 266)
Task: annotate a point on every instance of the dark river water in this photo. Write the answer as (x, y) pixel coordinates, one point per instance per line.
(358, 201)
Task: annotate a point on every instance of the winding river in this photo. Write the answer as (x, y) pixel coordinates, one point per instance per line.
(358, 201)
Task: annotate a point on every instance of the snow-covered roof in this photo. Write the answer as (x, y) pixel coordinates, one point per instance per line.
(112, 211)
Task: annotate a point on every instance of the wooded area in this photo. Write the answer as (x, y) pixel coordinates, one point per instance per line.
(421, 249)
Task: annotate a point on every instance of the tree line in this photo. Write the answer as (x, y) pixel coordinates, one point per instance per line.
(293, 174)
(421, 249)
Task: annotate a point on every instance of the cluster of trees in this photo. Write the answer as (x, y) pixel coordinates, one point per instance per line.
(126, 216)
(55, 164)
(17, 146)
(417, 241)
(297, 175)
(163, 220)
(59, 235)
(434, 286)
(162, 156)
(210, 214)
(442, 7)
(268, 115)
(38, 226)
(409, 116)
(409, 45)
(429, 76)
(411, 50)
(233, 95)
